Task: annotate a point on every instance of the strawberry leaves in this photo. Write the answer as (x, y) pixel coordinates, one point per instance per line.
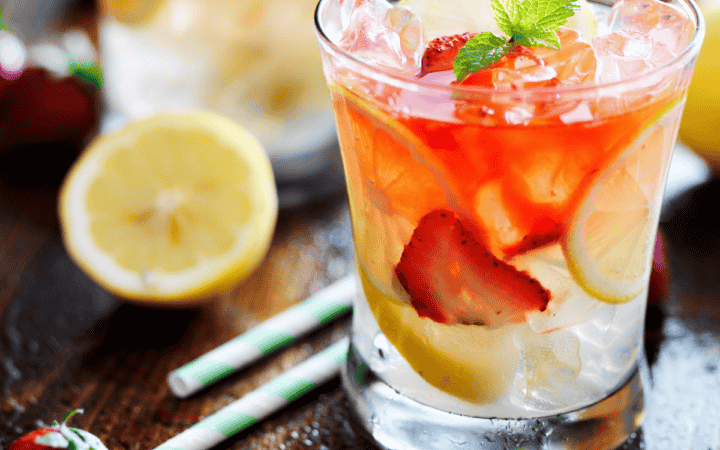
(530, 23)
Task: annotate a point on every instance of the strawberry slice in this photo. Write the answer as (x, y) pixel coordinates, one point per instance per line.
(544, 232)
(441, 52)
(454, 279)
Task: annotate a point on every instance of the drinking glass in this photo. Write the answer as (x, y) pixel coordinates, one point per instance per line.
(503, 239)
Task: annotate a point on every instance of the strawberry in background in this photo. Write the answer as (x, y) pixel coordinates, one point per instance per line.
(49, 104)
(660, 278)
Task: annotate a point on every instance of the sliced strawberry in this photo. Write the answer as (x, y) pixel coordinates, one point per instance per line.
(546, 231)
(441, 52)
(452, 278)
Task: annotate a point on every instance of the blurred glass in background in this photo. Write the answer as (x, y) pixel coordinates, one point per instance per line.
(254, 61)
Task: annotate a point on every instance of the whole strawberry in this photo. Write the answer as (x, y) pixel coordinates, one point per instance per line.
(59, 436)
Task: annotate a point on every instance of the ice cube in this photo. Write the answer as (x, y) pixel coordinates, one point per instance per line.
(661, 22)
(574, 63)
(385, 35)
(627, 53)
(339, 13)
(570, 305)
(550, 364)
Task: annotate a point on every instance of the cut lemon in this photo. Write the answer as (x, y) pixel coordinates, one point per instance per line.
(173, 208)
(610, 238)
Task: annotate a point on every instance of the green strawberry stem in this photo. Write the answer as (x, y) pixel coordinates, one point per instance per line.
(72, 413)
(88, 71)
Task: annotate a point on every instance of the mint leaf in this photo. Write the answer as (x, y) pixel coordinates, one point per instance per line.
(482, 51)
(542, 39)
(539, 20)
(3, 24)
(530, 23)
(505, 17)
(547, 15)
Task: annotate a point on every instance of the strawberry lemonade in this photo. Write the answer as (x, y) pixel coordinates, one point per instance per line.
(505, 163)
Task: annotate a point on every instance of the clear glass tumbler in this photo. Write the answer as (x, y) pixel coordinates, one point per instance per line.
(504, 234)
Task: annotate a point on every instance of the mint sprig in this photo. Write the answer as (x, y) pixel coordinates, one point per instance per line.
(530, 23)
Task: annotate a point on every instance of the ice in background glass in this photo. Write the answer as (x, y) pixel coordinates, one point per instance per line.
(255, 62)
(504, 230)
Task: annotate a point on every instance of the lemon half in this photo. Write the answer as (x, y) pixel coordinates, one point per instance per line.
(172, 208)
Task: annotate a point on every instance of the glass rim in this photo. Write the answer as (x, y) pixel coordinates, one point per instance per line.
(680, 60)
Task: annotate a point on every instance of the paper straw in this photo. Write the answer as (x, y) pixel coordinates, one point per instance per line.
(259, 404)
(280, 330)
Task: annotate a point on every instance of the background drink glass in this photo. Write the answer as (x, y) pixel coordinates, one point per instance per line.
(559, 185)
(252, 61)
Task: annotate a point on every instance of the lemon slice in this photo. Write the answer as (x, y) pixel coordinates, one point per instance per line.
(443, 17)
(131, 12)
(610, 238)
(467, 361)
(172, 208)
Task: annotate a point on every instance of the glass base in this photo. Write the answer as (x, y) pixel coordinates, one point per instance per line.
(395, 422)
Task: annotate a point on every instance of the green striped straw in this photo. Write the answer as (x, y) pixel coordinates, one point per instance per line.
(262, 402)
(280, 330)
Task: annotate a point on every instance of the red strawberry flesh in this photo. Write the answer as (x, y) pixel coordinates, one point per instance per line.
(543, 233)
(441, 52)
(454, 279)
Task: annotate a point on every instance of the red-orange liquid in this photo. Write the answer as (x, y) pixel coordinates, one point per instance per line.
(515, 182)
